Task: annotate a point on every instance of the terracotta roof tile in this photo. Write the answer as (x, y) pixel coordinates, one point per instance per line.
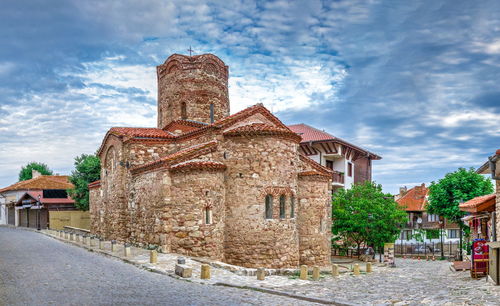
(311, 134)
(478, 204)
(178, 156)
(415, 199)
(140, 132)
(40, 183)
(197, 165)
(315, 165)
(35, 194)
(262, 129)
(95, 184)
(184, 126)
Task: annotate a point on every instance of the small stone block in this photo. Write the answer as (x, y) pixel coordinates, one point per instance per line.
(335, 270)
(261, 274)
(113, 246)
(181, 260)
(355, 269)
(183, 271)
(205, 271)
(303, 272)
(72, 237)
(153, 257)
(126, 251)
(101, 244)
(91, 242)
(315, 273)
(369, 267)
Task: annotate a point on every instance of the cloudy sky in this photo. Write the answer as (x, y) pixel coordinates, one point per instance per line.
(413, 81)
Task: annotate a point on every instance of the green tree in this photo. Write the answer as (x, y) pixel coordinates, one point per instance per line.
(27, 174)
(87, 170)
(459, 186)
(365, 214)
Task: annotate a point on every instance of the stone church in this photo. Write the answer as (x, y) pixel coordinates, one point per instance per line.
(205, 183)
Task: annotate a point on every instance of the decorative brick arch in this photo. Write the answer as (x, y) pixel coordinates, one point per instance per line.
(278, 191)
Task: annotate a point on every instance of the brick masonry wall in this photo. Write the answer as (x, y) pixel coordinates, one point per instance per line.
(257, 166)
(197, 81)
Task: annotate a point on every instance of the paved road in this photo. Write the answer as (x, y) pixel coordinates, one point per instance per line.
(38, 270)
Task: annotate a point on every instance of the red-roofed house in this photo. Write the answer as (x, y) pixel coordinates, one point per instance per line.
(20, 202)
(414, 202)
(350, 163)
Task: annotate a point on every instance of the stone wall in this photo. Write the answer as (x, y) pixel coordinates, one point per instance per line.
(314, 220)
(257, 166)
(192, 192)
(188, 85)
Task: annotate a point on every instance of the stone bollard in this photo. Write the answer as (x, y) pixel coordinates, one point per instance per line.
(67, 236)
(153, 257)
(71, 237)
(335, 270)
(113, 245)
(355, 269)
(261, 274)
(315, 273)
(101, 244)
(183, 271)
(91, 242)
(126, 250)
(205, 271)
(88, 243)
(181, 260)
(369, 267)
(303, 272)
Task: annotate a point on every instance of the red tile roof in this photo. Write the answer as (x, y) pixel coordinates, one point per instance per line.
(178, 156)
(311, 134)
(140, 132)
(262, 129)
(479, 204)
(35, 194)
(197, 165)
(40, 183)
(415, 199)
(94, 184)
(184, 126)
(316, 166)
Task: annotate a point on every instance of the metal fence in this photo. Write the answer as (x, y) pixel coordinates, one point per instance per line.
(447, 249)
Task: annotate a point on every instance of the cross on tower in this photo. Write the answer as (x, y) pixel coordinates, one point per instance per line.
(190, 51)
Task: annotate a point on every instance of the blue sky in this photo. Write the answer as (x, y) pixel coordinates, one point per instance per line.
(413, 81)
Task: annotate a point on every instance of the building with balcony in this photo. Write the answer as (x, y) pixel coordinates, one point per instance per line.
(350, 163)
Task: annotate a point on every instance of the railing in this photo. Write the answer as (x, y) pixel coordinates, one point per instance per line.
(338, 177)
(450, 249)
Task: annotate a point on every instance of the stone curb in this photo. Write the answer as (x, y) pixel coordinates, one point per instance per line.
(286, 294)
(150, 268)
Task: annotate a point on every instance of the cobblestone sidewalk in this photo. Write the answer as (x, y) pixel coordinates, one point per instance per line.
(411, 282)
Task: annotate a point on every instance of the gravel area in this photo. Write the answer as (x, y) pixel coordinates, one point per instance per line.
(39, 270)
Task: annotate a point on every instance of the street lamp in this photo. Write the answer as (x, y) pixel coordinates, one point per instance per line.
(38, 212)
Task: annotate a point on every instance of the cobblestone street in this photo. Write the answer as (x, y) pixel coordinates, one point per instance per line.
(38, 270)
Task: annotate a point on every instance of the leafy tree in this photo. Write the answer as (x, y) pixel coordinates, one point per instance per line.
(365, 214)
(27, 174)
(87, 170)
(455, 187)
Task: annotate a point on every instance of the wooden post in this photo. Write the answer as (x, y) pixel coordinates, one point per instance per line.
(205, 271)
(303, 272)
(335, 270)
(315, 273)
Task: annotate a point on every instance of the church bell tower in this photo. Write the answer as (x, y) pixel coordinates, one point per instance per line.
(192, 88)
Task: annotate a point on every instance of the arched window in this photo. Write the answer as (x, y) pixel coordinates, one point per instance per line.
(183, 111)
(211, 113)
(208, 215)
(282, 207)
(292, 207)
(269, 206)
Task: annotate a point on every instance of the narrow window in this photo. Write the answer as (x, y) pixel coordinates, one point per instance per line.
(269, 206)
(282, 207)
(329, 164)
(208, 216)
(183, 111)
(349, 169)
(211, 113)
(292, 207)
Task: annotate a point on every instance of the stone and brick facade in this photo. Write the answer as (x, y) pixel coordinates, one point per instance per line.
(205, 183)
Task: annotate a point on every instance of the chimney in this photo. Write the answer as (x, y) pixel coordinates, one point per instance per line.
(402, 191)
(35, 173)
